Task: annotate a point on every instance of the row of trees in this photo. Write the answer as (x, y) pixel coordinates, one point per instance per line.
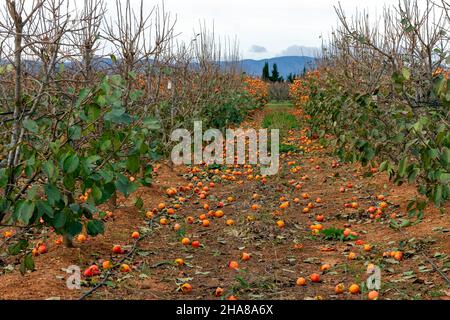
(89, 96)
(382, 93)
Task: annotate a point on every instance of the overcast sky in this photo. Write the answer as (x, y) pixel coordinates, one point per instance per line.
(264, 28)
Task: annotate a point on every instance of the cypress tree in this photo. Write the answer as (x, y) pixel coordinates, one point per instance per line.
(275, 74)
(265, 72)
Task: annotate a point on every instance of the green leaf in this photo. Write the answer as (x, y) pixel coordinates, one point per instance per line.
(402, 167)
(151, 123)
(438, 195)
(44, 208)
(60, 220)
(406, 73)
(24, 211)
(125, 186)
(74, 228)
(96, 193)
(133, 164)
(49, 169)
(27, 264)
(3, 177)
(118, 115)
(52, 193)
(384, 166)
(71, 164)
(95, 227)
(31, 125)
(18, 247)
(75, 133)
(445, 157)
(139, 203)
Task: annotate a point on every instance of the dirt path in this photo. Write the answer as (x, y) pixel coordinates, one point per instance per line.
(278, 256)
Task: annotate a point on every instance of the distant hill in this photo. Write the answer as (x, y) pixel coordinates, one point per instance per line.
(286, 65)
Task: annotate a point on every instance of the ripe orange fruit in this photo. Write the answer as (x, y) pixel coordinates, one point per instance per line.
(315, 278)
(219, 292)
(325, 267)
(301, 282)
(318, 200)
(106, 265)
(320, 218)
(233, 265)
(306, 210)
(230, 222)
(339, 288)
(190, 220)
(355, 205)
(373, 295)
(202, 217)
(8, 234)
(186, 288)
(206, 207)
(179, 262)
(230, 199)
(186, 241)
(367, 248)
(347, 232)
(381, 197)
(171, 211)
(305, 196)
(232, 298)
(354, 289)
(318, 227)
(196, 244)
(81, 238)
(177, 227)
(383, 205)
(284, 205)
(219, 214)
(42, 249)
(281, 224)
(163, 222)
(135, 235)
(245, 256)
(161, 206)
(149, 215)
(398, 256)
(297, 200)
(351, 256)
(171, 192)
(206, 223)
(124, 268)
(255, 207)
(117, 249)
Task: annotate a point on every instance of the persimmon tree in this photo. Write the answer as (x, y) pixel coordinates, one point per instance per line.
(382, 93)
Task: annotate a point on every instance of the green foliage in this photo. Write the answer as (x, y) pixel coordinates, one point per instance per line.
(337, 235)
(72, 165)
(265, 73)
(413, 143)
(283, 121)
(275, 77)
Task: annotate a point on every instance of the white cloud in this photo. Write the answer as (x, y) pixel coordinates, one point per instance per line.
(276, 24)
(257, 49)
